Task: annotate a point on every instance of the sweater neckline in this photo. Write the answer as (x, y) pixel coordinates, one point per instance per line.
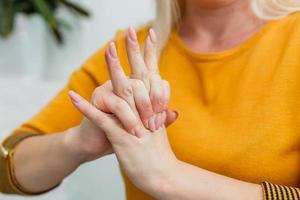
(222, 54)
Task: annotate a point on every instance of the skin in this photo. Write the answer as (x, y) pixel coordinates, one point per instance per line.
(209, 30)
(144, 92)
(208, 26)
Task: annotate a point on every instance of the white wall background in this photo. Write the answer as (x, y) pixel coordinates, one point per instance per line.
(33, 68)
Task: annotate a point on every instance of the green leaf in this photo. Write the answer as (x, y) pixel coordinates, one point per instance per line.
(75, 7)
(44, 9)
(58, 36)
(7, 16)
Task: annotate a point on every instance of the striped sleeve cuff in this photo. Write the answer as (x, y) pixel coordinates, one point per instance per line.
(279, 192)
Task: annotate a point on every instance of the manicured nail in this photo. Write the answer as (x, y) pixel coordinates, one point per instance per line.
(132, 34)
(113, 50)
(132, 132)
(146, 123)
(152, 123)
(152, 35)
(164, 114)
(158, 121)
(139, 131)
(74, 97)
(176, 114)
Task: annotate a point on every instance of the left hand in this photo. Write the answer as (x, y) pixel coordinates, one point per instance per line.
(148, 161)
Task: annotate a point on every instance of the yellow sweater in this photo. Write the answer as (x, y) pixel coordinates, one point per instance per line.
(239, 109)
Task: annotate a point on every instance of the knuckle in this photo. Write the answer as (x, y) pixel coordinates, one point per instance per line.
(138, 84)
(97, 91)
(157, 100)
(97, 98)
(119, 104)
(99, 120)
(144, 105)
(125, 91)
(144, 76)
(155, 77)
(135, 49)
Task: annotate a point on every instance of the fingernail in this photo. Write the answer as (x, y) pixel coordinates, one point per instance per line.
(139, 131)
(132, 34)
(152, 123)
(152, 35)
(176, 114)
(164, 119)
(112, 50)
(158, 121)
(132, 132)
(147, 123)
(74, 97)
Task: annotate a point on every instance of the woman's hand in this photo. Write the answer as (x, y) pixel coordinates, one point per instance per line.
(151, 165)
(147, 160)
(144, 93)
(125, 108)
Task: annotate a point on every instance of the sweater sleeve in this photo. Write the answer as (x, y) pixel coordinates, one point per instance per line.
(58, 115)
(278, 192)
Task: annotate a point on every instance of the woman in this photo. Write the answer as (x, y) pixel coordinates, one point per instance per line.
(235, 79)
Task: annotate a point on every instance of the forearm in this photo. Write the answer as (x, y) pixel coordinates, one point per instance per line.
(190, 182)
(42, 162)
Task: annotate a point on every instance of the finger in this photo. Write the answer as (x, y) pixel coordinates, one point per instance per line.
(157, 93)
(166, 97)
(171, 117)
(105, 100)
(158, 120)
(118, 78)
(112, 130)
(121, 84)
(121, 109)
(99, 118)
(98, 94)
(92, 113)
(150, 54)
(164, 118)
(151, 123)
(136, 60)
(142, 101)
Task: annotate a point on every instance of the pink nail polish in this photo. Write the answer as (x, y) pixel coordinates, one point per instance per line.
(147, 123)
(132, 34)
(133, 132)
(164, 118)
(176, 114)
(152, 35)
(139, 132)
(158, 121)
(74, 96)
(112, 50)
(152, 123)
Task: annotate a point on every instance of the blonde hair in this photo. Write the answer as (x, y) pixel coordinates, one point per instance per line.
(170, 12)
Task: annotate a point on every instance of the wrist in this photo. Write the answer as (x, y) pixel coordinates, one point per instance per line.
(74, 146)
(166, 184)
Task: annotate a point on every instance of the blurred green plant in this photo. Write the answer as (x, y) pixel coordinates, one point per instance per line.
(45, 8)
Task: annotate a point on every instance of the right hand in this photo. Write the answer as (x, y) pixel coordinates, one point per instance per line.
(122, 95)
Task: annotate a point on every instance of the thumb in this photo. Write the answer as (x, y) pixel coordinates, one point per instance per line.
(172, 116)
